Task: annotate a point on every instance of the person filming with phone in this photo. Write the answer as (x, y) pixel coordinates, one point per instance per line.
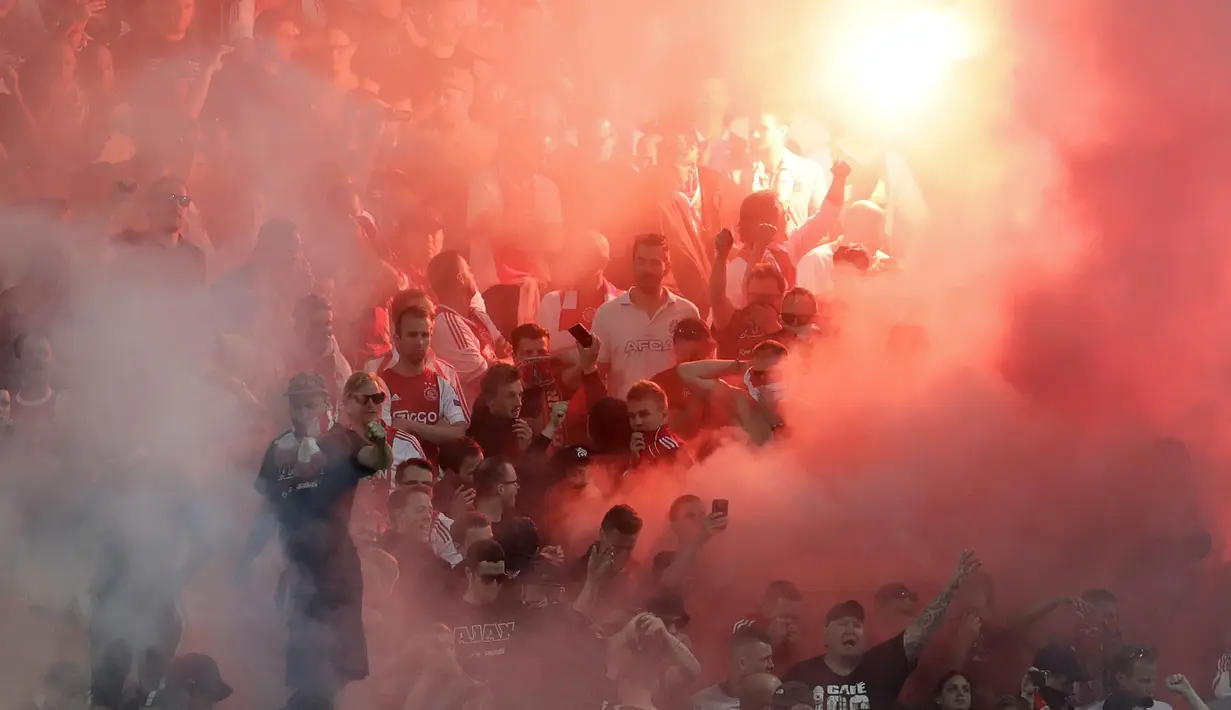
(693, 528)
(1049, 683)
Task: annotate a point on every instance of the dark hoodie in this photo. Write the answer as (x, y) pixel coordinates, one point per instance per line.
(494, 434)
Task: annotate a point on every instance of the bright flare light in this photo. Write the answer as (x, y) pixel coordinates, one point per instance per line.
(897, 62)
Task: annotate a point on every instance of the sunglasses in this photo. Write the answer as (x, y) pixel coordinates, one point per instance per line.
(181, 200)
(369, 399)
(493, 578)
(797, 318)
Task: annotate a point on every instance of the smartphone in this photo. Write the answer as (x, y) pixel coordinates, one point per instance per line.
(720, 506)
(582, 335)
(1037, 677)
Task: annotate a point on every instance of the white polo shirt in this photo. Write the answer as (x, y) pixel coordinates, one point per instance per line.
(635, 345)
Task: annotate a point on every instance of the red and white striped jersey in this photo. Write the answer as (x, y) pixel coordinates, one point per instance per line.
(665, 445)
(427, 398)
(378, 365)
(442, 539)
(467, 342)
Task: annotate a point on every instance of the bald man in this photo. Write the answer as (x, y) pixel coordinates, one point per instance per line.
(756, 691)
(583, 264)
(863, 226)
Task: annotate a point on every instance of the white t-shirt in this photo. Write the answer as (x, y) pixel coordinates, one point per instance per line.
(1158, 705)
(636, 345)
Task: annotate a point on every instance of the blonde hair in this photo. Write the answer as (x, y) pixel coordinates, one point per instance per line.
(359, 379)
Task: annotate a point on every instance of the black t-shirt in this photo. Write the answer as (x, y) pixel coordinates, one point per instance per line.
(484, 637)
(555, 642)
(314, 510)
(739, 337)
(873, 685)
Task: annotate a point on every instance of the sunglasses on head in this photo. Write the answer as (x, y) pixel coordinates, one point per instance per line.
(377, 398)
(797, 318)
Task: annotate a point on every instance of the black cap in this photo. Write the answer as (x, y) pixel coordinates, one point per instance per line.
(691, 329)
(790, 694)
(1124, 700)
(568, 457)
(668, 605)
(1062, 660)
(198, 673)
(895, 590)
(847, 609)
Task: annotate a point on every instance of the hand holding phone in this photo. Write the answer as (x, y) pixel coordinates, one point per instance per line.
(582, 335)
(720, 506)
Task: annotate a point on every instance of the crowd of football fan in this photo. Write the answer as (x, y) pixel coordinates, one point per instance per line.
(495, 292)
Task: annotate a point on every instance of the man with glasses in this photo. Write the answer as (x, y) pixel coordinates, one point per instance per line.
(495, 484)
(161, 250)
(687, 413)
(482, 629)
(798, 317)
(309, 488)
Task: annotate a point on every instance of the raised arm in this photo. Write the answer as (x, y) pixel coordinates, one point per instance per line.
(813, 232)
(723, 310)
(1179, 685)
(704, 374)
(929, 620)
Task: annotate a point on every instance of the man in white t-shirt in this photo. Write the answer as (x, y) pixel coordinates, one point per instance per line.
(1133, 669)
(636, 330)
(863, 224)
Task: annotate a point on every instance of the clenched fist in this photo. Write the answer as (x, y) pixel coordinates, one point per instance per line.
(375, 432)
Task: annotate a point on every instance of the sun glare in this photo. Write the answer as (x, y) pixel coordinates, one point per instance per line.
(894, 63)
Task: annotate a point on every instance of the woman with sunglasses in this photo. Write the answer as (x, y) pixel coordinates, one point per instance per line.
(326, 647)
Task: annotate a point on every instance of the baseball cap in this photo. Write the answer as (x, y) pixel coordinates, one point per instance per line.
(668, 605)
(306, 383)
(847, 609)
(790, 694)
(1125, 700)
(568, 457)
(198, 673)
(691, 329)
(1062, 660)
(895, 590)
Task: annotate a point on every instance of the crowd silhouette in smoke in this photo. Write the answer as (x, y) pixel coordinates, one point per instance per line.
(482, 353)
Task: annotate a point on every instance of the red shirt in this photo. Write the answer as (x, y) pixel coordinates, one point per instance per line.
(664, 445)
(426, 398)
